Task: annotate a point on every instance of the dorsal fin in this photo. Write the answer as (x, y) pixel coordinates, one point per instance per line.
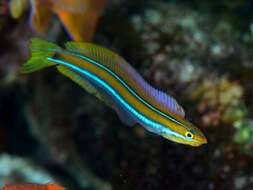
(120, 67)
(95, 52)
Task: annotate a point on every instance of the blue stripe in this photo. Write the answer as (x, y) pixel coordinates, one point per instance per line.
(158, 127)
(126, 86)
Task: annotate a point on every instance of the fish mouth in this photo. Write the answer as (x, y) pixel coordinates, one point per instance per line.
(199, 143)
(204, 141)
(194, 143)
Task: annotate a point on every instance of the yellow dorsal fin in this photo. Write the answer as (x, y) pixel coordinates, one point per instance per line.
(95, 52)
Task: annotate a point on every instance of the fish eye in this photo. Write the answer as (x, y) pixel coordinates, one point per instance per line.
(189, 134)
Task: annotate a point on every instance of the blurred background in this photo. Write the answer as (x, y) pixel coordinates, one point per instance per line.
(200, 52)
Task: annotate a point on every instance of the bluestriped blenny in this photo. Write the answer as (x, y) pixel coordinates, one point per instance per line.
(111, 79)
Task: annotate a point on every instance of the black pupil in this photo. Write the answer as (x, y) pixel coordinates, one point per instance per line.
(189, 135)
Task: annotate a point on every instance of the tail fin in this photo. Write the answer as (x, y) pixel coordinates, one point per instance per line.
(40, 51)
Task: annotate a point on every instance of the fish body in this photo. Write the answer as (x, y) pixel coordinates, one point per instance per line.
(110, 78)
(33, 186)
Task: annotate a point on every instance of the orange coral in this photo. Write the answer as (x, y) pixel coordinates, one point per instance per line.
(31, 186)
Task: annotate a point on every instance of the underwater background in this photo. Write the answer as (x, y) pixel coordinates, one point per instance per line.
(200, 52)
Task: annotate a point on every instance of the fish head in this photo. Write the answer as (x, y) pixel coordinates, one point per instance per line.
(186, 133)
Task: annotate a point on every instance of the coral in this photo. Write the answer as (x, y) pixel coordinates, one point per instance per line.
(219, 101)
(244, 135)
(20, 170)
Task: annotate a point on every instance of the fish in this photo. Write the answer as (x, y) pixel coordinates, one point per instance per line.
(33, 186)
(79, 17)
(110, 78)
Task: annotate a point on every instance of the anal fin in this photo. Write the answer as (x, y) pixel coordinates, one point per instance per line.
(124, 116)
(81, 81)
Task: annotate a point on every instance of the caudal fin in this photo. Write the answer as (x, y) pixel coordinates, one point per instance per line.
(41, 50)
